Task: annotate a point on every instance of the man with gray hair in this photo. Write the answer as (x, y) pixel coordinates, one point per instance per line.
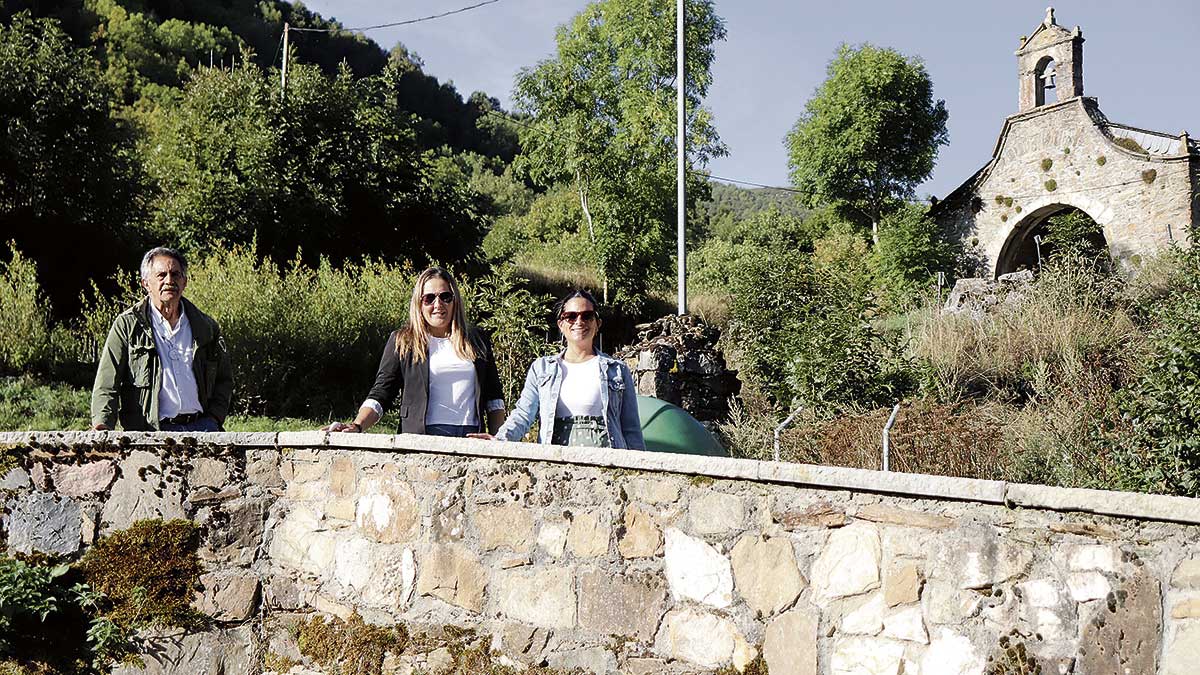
(164, 366)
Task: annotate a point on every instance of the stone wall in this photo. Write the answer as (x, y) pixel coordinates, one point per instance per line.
(677, 359)
(620, 561)
(1059, 156)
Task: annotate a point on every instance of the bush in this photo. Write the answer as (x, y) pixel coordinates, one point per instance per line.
(804, 337)
(911, 252)
(24, 316)
(1163, 405)
(516, 321)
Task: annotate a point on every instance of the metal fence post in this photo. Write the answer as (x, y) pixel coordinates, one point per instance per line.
(781, 427)
(887, 441)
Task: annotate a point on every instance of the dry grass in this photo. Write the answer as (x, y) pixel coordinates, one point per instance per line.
(1065, 328)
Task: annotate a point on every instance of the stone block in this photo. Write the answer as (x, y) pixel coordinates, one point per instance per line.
(449, 519)
(906, 624)
(262, 468)
(1085, 586)
(766, 573)
(983, 559)
(233, 531)
(621, 605)
(716, 513)
(521, 642)
(208, 472)
(866, 619)
(388, 511)
(16, 478)
(542, 597)
(848, 564)
(901, 583)
(951, 653)
(706, 640)
(213, 652)
(587, 659)
(1124, 634)
(652, 490)
(1101, 558)
(309, 471)
(508, 526)
(819, 515)
(552, 538)
(341, 508)
(641, 537)
(299, 542)
(282, 593)
(141, 493)
(697, 571)
(41, 522)
(381, 575)
(1187, 608)
(1183, 650)
(790, 646)
(866, 656)
(885, 513)
(82, 480)
(1187, 574)
(452, 573)
(343, 477)
(228, 595)
(589, 534)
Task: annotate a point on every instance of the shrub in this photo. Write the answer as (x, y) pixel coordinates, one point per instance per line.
(1051, 185)
(910, 253)
(1073, 234)
(1163, 405)
(24, 316)
(516, 321)
(804, 337)
(1047, 163)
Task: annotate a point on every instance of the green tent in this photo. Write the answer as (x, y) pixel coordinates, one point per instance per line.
(669, 428)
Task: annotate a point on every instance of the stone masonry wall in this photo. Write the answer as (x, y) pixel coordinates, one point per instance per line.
(620, 561)
(1057, 156)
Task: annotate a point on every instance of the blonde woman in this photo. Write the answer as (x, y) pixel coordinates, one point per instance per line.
(441, 366)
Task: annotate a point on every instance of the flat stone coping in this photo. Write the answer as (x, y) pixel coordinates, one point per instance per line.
(922, 486)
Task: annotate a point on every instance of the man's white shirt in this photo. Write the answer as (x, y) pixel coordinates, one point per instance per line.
(177, 394)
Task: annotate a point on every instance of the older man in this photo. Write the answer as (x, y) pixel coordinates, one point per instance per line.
(164, 365)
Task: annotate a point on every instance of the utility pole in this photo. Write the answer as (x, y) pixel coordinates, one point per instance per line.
(681, 157)
(283, 71)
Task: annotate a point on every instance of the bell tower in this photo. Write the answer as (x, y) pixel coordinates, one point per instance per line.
(1049, 64)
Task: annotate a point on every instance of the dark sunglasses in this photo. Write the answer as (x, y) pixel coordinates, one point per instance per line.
(570, 317)
(446, 297)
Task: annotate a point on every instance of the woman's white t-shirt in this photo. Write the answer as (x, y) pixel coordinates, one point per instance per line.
(452, 393)
(580, 392)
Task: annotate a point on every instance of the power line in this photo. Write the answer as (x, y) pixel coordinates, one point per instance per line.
(398, 23)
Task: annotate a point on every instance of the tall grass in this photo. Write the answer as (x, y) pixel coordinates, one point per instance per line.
(25, 328)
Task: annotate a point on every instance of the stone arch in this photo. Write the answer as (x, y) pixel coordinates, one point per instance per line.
(1020, 249)
(1045, 65)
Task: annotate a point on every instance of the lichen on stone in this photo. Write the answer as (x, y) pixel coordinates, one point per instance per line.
(1047, 163)
(350, 647)
(1051, 185)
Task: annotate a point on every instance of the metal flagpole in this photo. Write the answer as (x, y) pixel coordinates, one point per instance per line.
(680, 138)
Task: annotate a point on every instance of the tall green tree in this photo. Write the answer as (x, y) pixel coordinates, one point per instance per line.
(70, 183)
(869, 135)
(603, 119)
(332, 168)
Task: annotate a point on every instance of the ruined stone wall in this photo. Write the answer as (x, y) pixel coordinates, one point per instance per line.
(1057, 156)
(620, 561)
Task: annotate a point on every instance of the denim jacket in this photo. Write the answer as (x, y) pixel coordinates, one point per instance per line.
(539, 399)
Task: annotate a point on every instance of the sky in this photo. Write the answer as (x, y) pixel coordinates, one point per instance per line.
(1140, 61)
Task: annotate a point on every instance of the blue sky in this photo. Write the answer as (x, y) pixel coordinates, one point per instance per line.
(1141, 60)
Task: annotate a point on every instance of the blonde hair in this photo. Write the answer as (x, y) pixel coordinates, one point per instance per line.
(413, 339)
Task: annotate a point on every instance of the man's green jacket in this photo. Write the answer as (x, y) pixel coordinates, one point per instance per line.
(130, 373)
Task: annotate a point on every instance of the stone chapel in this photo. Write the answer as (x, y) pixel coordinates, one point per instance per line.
(1059, 152)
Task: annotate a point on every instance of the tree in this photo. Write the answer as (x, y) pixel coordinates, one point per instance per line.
(603, 120)
(70, 186)
(910, 252)
(869, 135)
(333, 168)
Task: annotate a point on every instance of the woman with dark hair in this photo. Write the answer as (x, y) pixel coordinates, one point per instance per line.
(442, 366)
(580, 396)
